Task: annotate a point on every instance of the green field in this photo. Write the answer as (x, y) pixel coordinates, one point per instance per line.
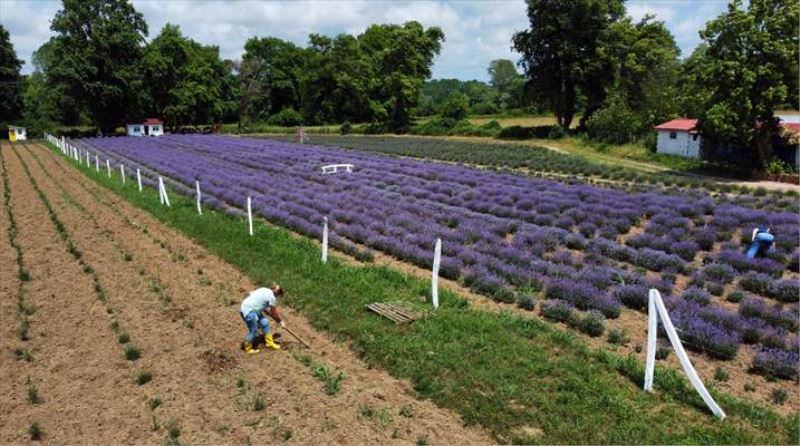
(520, 378)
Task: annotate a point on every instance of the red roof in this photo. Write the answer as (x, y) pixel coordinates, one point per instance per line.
(682, 124)
(791, 125)
(152, 121)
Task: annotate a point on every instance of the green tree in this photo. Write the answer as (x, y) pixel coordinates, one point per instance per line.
(456, 107)
(566, 51)
(504, 78)
(187, 82)
(400, 58)
(748, 68)
(10, 81)
(279, 65)
(99, 44)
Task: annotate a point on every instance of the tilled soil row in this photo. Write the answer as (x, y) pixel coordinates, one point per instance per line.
(72, 373)
(207, 330)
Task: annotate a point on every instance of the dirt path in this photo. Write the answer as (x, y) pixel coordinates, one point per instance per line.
(185, 322)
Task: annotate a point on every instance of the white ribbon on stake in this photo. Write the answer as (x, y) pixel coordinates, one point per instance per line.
(250, 215)
(324, 239)
(108, 167)
(122, 172)
(197, 188)
(161, 191)
(437, 259)
(657, 310)
(139, 179)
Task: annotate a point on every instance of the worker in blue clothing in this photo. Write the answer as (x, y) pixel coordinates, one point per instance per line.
(761, 242)
(253, 309)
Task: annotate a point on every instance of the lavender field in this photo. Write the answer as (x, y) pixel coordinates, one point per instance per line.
(506, 236)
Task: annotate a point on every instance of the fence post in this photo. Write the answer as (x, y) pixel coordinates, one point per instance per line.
(122, 172)
(437, 258)
(197, 187)
(139, 179)
(656, 303)
(96, 163)
(324, 239)
(250, 215)
(108, 167)
(164, 190)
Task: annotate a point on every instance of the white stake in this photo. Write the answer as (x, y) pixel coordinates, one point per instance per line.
(656, 307)
(160, 191)
(96, 162)
(163, 191)
(324, 239)
(197, 187)
(139, 179)
(437, 259)
(108, 167)
(122, 172)
(250, 215)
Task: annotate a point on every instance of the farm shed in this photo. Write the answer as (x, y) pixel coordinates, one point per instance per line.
(17, 133)
(679, 137)
(149, 127)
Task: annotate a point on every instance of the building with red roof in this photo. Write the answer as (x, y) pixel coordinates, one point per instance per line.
(678, 137)
(148, 127)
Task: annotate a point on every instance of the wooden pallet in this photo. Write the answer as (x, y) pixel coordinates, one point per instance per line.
(399, 312)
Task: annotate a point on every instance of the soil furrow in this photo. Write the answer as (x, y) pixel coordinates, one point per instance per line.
(292, 394)
(80, 375)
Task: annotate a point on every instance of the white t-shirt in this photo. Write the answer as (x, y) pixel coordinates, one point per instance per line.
(258, 301)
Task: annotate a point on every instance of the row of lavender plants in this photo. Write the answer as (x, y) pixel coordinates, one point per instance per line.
(506, 233)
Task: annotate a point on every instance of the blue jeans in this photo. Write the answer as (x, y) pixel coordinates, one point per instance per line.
(761, 244)
(253, 320)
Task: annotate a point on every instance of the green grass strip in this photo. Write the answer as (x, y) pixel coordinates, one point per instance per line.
(522, 379)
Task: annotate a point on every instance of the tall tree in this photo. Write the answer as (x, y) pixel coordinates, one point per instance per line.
(10, 81)
(749, 68)
(504, 78)
(401, 59)
(279, 64)
(565, 52)
(188, 82)
(99, 45)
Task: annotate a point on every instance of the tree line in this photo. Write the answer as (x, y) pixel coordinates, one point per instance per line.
(586, 61)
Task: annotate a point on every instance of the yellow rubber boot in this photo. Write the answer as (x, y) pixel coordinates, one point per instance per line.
(248, 348)
(270, 343)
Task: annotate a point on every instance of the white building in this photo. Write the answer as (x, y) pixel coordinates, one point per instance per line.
(679, 137)
(17, 133)
(150, 127)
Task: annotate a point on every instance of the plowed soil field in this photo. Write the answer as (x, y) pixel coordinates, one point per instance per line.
(96, 281)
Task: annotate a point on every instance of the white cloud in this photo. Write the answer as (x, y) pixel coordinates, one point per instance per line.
(476, 31)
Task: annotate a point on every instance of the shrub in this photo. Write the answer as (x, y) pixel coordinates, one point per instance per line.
(35, 431)
(754, 282)
(526, 301)
(776, 363)
(123, 338)
(593, 323)
(662, 351)
(784, 290)
(779, 396)
(143, 377)
(558, 310)
(618, 336)
(697, 295)
(685, 250)
(721, 375)
(504, 295)
(455, 107)
(287, 117)
(132, 353)
(715, 288)
(658, 261)
(346, 128)
(633, 296)
(735, 296)
(556, 132)
(719, 272)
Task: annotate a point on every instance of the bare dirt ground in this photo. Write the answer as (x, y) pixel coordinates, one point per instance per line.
(179, 307)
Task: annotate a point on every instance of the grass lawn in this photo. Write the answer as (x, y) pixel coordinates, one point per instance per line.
(522, 379)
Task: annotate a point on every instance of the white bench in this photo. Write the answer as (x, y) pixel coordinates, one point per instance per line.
(333, 168)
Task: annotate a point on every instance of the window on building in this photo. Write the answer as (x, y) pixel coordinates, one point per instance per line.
(694, 137)
(673, 135)
(136, 129)
(156, 128)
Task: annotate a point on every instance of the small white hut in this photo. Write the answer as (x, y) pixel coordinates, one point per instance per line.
(679, 137)
(149, 127)
(17, 133)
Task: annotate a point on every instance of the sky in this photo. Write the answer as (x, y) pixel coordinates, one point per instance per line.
(476, 31)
